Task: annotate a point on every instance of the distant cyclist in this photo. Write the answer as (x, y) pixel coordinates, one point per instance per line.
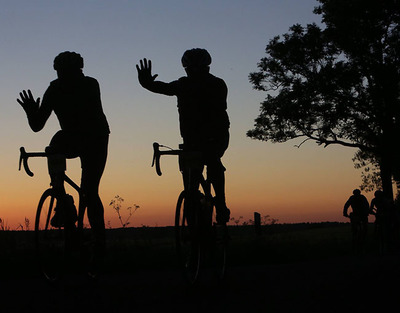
(385, 214)
(360, 210)
(204, 122)
(380, 206)
(75, 100)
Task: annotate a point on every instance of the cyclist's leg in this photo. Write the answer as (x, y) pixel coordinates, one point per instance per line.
(191, 166)
(363, 232)
(57, 160)
(216, 175)
(93, 161)
(191, 182)
(59, 149)
(365, 226)
(354, 224)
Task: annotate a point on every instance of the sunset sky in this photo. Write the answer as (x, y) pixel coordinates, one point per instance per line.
(307, 184)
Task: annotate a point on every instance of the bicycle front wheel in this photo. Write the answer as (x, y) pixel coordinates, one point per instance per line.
(49, 240)
(220, 241)
(187, 240)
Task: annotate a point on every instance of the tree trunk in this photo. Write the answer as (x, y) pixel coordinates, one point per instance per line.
(386, 176)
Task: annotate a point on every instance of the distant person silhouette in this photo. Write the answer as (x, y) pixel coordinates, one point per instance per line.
(204, 122)
(380, 205)
(358, 203)
(384, 211)
(360, 209)
(75, 99)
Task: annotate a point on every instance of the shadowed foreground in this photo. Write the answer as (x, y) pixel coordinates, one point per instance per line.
(288, 269)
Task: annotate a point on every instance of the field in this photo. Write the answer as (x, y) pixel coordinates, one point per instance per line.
(288, 268)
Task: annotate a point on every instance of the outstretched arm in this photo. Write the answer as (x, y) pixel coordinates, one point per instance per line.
(372, 208)
(37, 115)
(345, 208)
(147, 80)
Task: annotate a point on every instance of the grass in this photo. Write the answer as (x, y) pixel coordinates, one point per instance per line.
(133, 249)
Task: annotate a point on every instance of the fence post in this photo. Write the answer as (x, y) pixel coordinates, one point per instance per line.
(257, 223)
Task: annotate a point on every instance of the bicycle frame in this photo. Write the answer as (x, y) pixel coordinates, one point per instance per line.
(359, 232)
(194, 227)
(23, 160)
(205, 184)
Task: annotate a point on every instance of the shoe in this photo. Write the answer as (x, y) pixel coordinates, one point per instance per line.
(72, 213)
(58, 219)
(223, 216)
(64, 210)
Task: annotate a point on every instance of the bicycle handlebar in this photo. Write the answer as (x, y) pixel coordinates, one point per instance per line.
(156, 158)
(158, 153)
(24, 156)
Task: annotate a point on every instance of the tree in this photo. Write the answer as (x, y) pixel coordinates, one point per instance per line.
(338, 84)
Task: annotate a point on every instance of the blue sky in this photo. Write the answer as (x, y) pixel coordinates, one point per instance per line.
(113, 36)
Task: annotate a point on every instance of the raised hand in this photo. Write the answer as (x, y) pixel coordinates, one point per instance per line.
(28, 103)
(144, 72)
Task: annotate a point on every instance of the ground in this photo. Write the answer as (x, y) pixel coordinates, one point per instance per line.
(339, 281)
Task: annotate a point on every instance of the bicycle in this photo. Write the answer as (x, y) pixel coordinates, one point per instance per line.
(385, 231)
(198, 238)
(54, 244)
(359, 232)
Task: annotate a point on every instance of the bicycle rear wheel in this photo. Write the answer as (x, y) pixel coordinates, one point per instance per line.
(187, 240)
(49, 241)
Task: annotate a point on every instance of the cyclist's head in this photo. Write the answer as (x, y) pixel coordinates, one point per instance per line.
(196, 61)
(378, 194)
(68, 64)
(356, 192)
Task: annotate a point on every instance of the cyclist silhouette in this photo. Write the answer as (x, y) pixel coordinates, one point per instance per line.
(75, 99)
(378, 203)
(385, 214)
(204, 122)
(358, 203)
(360, 210)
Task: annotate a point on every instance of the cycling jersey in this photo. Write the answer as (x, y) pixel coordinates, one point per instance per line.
(359, 204)
(201, 106)
(77, 105)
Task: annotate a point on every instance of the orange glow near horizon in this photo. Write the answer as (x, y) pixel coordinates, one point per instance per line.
(305, 191)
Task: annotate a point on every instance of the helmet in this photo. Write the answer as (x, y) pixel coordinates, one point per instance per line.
(68, 61)
(196, 58)
(356, 192)
(378, 193)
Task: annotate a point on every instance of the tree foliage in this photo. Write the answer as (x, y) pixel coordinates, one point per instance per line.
(337, 84)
